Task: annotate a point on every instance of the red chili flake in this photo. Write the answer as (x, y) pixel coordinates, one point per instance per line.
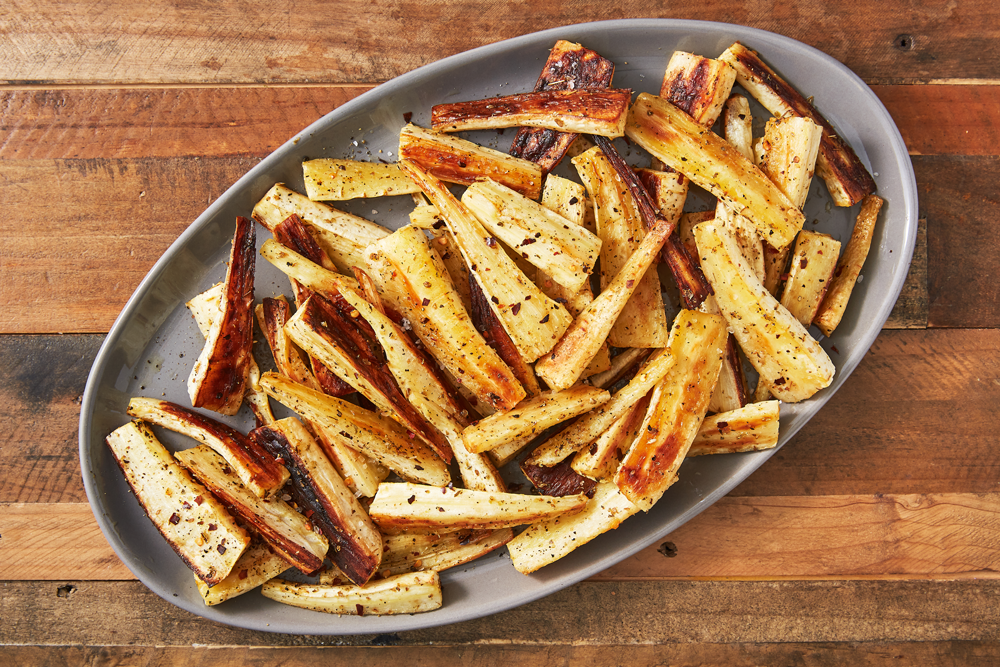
(361, 610)
(407, 117)
(425, 302)
(803, 263)
(280, 460)
(779, 382)
(462, 164)
(212, 526)
(629, 284)
(411, 500)
(495, 300)
(834, 348)
(528, 241)
(186, 505)
(724, 427)
(515, 309)
(243, 574)
(440, 509)
(175, 518)
(527, 298)
(221, 549)
(199, 500)
(573, 200)
(440, 224)
(544, 320)
(491, 242)
(784, 276)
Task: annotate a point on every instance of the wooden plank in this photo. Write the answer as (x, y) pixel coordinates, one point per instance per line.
(745, 538)
(965, 118)
(959, 197)
(883, 431)
(588, 614)
(41, 385)
(174, 121)
(918, 415)
(96, 123)
(259, 42)
(873, 654)
(127, 211)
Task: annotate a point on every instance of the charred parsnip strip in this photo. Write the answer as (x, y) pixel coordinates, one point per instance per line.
(565, 364)
(569, 67)
(328, 179)
(410, 552)
(256, 565)
(565, 251)
(455, 160)
(708, 160)
(355, 543)
(750, 428)
(341, 235)
(288, 532)
(257, 469)
(846, 178)
(329, 331)
(192, 521)
(600, 460)
(594, 111)
(697, 85)
(849, 268)
(380, 438)
(414, 281)
(813, 263)
(668, 190)
(590, 426)
(533, 321)
(430, 508)
(545, 542)
(360, 473)
(558, 480)
(676, 408)
(409, 593)
(777, 345)
(206, 309)
(620, 226)
(219, 376)
(532, 416)
(623, 367)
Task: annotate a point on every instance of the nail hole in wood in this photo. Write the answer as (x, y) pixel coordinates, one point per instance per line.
(668, 549)
(903, 42)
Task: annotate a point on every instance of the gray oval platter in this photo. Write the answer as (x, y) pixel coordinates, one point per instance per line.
(152, 345)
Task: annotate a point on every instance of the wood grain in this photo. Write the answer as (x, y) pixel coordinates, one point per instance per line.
(742, 538)
(892, 428)
(263, 42)
(960, 199)
(587, 614)
(846, 654)
(44, 122)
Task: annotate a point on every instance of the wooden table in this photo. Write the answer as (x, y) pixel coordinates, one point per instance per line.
(873, 537)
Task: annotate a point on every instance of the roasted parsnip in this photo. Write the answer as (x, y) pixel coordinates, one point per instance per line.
(532, 416)
(545, 542)
(564, 251)
(456, 160)
(750, 428)
(256, 565)
(777, 345)
(355, 543)
(429, 508)
(533, 321)
(289, 533)
(709, 161)
(219, 376)
(383, 439)
(810, 273)
(414, 552)
(181, 509)
(593, 111)
(697, 85)
(601, 459)
(414, 281)
(328, 179)
(257, 469)
(849, 267)
(846, 178)
(408, 593)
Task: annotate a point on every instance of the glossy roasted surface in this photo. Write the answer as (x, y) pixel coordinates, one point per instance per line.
(870, 538)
